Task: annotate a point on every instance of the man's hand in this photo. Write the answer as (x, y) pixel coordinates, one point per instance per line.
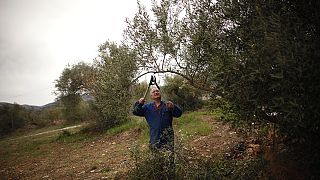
(142, 100)
(170, 105)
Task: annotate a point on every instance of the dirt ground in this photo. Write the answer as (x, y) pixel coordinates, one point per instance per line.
(102, 157)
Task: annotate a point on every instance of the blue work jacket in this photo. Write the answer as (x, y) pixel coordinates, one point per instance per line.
(159, 121)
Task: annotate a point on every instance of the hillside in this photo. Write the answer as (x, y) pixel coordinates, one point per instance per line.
(77, 155)
(85, 98)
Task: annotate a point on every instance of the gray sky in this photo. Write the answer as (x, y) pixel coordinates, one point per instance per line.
(38, 38)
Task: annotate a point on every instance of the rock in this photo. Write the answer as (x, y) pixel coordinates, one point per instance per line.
(93, 169)
(250, 150)
(45, 177)
(255, 149)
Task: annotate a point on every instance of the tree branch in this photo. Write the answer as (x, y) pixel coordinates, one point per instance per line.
(190, 80)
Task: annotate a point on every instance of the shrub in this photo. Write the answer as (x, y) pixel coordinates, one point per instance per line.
(189, 165)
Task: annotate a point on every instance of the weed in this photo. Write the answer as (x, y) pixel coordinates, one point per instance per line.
(68, 137)
(188, 165)
(191, 124)
(123, 127)
(105, 169)
(27, 147)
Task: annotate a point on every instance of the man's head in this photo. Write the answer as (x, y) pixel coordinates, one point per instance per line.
(155, 93)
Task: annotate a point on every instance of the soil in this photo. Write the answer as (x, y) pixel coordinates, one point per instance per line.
(103, 157)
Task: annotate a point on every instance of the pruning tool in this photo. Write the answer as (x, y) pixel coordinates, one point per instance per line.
(153, 81)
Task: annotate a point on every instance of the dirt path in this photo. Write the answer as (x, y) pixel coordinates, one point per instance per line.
(47, 132)
(222, 140)
(102, 157)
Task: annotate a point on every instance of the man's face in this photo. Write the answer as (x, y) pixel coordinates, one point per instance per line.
(155, 94)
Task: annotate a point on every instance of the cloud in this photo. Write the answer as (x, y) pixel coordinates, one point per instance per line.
(38, 38)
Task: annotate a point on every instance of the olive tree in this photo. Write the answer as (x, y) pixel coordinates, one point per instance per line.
(75, 81)
(163, 41)
(116, 68)
(178, 90)
(260, 56)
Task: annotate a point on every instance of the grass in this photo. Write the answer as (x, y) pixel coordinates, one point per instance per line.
(190, 166)
(191, 124)
(15, 147)
(69, 137)
(134, 122)
(33, 148)
(188, 125)
(24, 147)
(23, 132)
(226, 115)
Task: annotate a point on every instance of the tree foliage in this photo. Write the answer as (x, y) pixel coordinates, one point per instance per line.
(178, 90)
(12, 117)
(116, 68)
(138, 90)
(262, 57)
(75, 81)
(78, 79)
(162, 42)
(272, 64)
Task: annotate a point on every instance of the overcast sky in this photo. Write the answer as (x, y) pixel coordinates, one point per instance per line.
(38, 38)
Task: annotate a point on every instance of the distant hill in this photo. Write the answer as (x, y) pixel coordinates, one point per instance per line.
(28, 107)
(4, 103)
(49, 105)
(85, 98)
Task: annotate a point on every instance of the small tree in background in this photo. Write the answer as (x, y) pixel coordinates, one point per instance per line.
(178, 90)
(116, 67)
(75, 82)
(52, 114)
(138, 91)
(12, 117)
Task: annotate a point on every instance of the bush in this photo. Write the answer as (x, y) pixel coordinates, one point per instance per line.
(12, 117)
(115, 71)
(68, 137)
(188, 165)
(178, 90)
(223, 110)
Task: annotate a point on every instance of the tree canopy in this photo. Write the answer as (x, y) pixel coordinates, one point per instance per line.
(74, 83)
(116, 68)
(260, 56)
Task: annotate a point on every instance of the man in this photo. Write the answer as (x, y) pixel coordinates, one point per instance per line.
(159, 115)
